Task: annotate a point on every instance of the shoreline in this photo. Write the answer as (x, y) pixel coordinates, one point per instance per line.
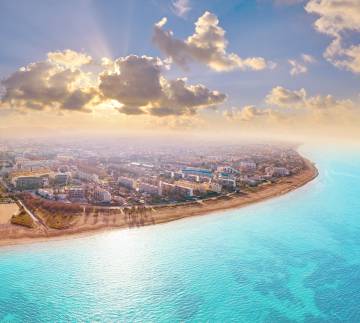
(163, 214)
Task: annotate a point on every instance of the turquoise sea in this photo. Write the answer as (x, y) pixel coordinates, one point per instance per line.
(295, 258)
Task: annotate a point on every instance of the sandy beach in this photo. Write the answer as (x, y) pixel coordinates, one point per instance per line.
(6, 211)
(115, 218)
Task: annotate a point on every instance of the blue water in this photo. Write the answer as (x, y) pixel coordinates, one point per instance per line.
(295, 258)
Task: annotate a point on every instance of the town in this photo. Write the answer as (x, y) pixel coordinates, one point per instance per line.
(52, 187)
(142, 175)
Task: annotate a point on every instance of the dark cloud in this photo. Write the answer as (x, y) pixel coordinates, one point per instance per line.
(45, 85)
(137, 83)
(134, 84)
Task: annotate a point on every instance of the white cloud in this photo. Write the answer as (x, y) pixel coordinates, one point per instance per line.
(297, 67)
(247, 113)
(181, 7)
(299, 99)
(336, 18)
(282, 97)
(300, 66)
(296, 110)
(69, 58)
(207, 45)
(308, 58)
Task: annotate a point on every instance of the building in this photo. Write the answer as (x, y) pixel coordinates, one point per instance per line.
(76, 193)
(247, 166)
(87, 177)
(46, 194)
(62, 179)
(119, 199)
(197, 171)
(102, 195)
(193, 178)
(148, 188)
(226, 176)
(170, 189)
(126, 182)
(228, 170)
(215, 187)
(33, 165)
(227, 183)
(61, 197)
(277, 171)
(198, 188)
(204, 179)
(28, 182)
(184, 190)
(177, 175)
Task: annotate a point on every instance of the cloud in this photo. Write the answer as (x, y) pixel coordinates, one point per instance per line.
(48, 85)
(337, 18)
(295, 112)
(297, 67)
(69, 58)
(282, 97)
(137, 84)
(308, 58)
(299, 99)
(247, 113)
(134, 85)
(207, 45)
(300, 66)
(181, 7)
(78, 99)
(328, 102)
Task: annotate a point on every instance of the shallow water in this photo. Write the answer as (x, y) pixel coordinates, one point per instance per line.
(292, 258)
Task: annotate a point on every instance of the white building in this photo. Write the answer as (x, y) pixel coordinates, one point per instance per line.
(167, 188)
(87, 177)
(148, 188)
(46, 194)
(277, 171)
(215, 187)
(247, 165)
(228, 170)
(102, 195)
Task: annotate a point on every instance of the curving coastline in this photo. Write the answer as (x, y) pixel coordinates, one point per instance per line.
(91, 224)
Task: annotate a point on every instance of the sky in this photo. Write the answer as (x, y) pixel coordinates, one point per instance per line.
(275, 67)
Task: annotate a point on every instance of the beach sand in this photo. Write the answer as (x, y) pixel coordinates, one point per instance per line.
(6, 212)
(86, 224)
